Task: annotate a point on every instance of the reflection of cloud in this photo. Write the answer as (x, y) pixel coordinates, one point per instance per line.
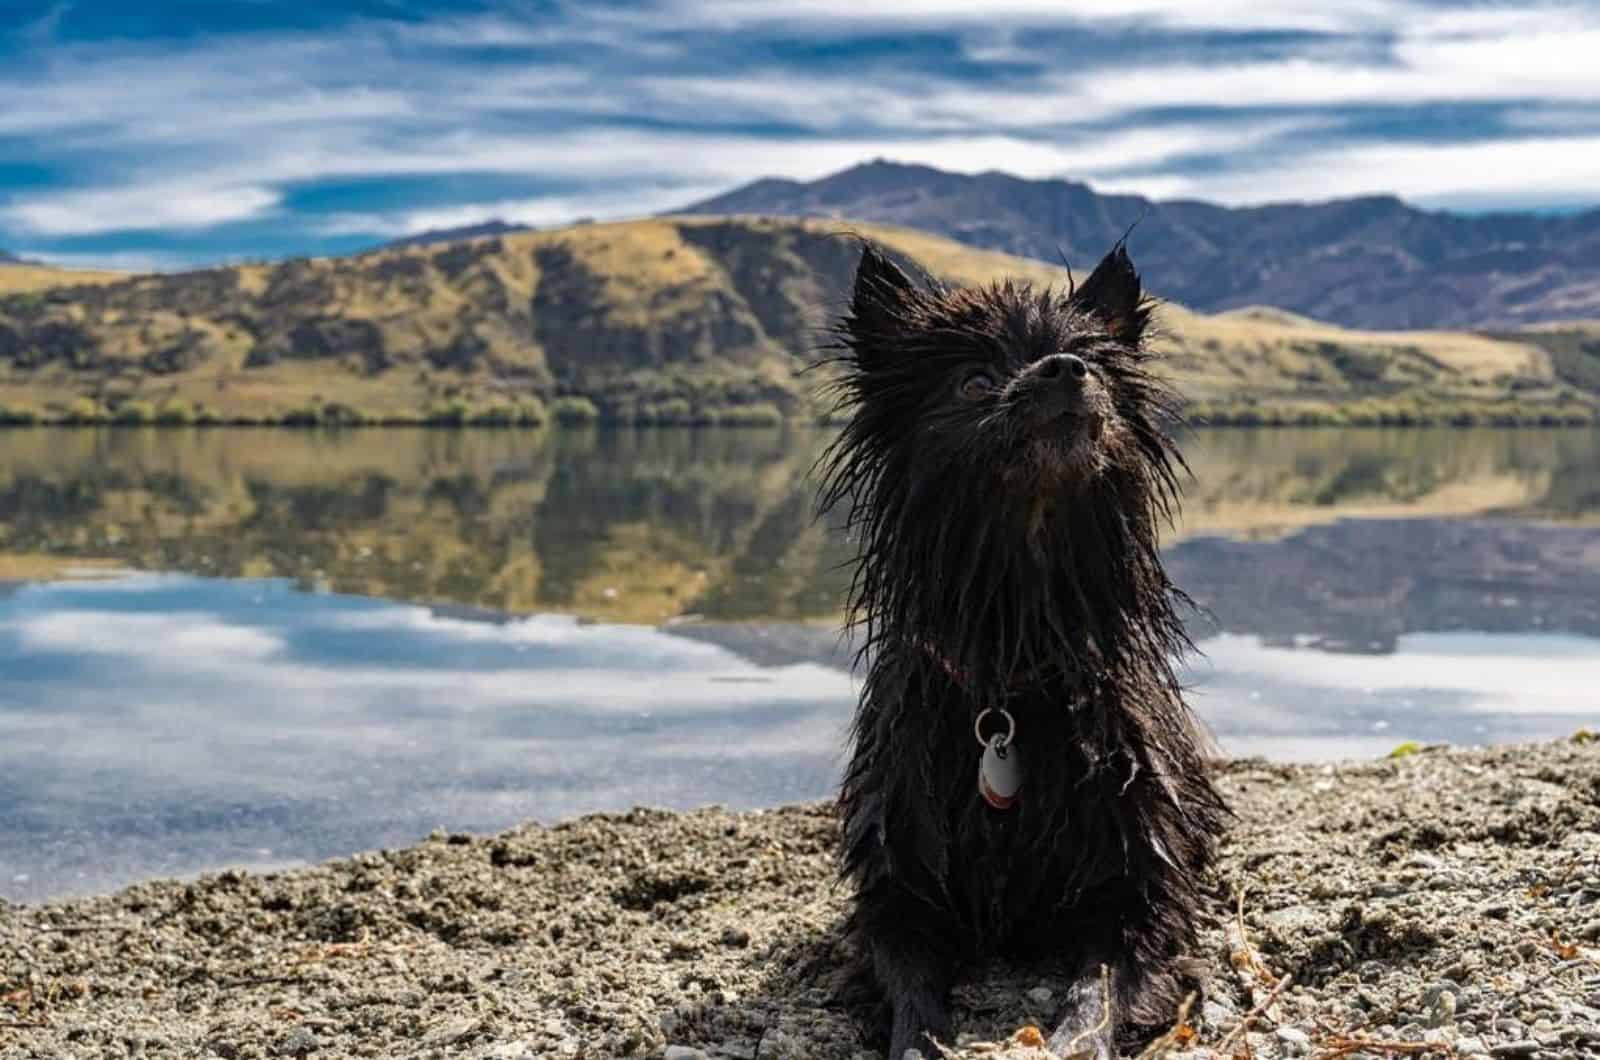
(250, 716)
(1501, 675)
(177, 638)
(1310, 705)
(311, 725)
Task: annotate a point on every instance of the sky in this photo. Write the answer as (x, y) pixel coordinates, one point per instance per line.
(166, 135)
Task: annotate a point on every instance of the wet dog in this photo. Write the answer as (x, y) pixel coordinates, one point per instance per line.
(1025, 780)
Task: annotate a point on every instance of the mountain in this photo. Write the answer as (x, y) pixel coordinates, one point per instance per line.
(1371, 262)
(456, 235)
(667, 320)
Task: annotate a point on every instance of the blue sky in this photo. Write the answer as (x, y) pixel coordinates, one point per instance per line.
(194, 132)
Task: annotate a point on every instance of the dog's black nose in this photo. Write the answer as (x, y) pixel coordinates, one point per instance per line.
(1062, 366)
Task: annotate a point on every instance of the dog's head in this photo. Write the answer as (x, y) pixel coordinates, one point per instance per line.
(1010, 391)
(1005, 445)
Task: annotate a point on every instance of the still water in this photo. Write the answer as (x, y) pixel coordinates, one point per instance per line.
(260, 648)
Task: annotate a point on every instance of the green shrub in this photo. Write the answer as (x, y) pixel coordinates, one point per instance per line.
(134, 414)
(304, 416)
(451, 413)
(764, 414)
(531, 412)
(674, 412)
(175, 412)
(498, 415)
(85, 410)
(338, 414)
(573, 409)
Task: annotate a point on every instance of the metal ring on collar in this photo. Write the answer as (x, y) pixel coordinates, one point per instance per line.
(1011, 725)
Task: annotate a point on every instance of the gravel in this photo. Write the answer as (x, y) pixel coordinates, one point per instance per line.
(1447, 899)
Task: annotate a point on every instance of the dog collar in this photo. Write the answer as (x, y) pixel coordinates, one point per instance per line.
(1016, 685)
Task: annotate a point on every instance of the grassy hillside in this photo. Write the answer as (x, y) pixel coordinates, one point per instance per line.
(671, 320)
(18, 278)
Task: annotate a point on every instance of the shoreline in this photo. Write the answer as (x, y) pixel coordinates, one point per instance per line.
(1448, 898)
(1243, 420)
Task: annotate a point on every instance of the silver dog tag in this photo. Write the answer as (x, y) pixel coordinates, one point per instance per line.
(999, 774)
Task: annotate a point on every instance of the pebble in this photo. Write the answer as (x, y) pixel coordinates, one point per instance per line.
(683, 1052)
(1443, 1010)
(1471, 1047)
(1515, 1049)
(1295, 1041)
(1041, 995)
(298, 1042)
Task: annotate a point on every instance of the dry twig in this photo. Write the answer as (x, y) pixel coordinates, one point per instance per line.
(1105, 1015)
(1344, 1046)
(1179, 1035)
(1254, 1014)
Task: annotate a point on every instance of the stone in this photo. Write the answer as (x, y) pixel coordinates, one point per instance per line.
(1295, 1041)
(298, 1042)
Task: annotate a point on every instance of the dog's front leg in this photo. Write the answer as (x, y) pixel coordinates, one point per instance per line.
(915, 973)
(1088, 1021)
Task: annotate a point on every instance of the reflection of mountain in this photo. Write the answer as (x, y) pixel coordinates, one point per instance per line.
(642, 526)
(1358, 585)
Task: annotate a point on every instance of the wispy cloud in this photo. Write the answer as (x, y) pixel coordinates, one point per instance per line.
(137, 206)
(220, 143)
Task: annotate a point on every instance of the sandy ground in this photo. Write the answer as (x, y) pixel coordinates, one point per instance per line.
(1445, 903)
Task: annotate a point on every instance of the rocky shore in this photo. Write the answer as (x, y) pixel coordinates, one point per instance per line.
(1444, 903)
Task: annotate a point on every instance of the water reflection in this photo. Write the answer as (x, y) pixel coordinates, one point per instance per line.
(161, 724)
(644, 526)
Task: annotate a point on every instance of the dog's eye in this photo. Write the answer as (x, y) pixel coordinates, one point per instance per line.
(976, 386)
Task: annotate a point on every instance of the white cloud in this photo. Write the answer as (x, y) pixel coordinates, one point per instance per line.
(111, 260)
(138, 206)
(550, 210)
(190, 136)
(1224, 14)
(1528, 171)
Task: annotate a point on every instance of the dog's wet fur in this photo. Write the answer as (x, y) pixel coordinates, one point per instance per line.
(1007, 464)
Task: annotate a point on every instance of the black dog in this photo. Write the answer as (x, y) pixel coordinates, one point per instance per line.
(1008, 464)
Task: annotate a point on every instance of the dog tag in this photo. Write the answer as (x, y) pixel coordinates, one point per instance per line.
(999, 774)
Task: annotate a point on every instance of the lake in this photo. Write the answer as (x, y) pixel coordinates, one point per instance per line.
(260, 648)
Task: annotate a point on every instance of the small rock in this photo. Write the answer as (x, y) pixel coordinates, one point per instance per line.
(736, 937)
(1471, 1047)
(1295, 1041)
(1217, 1015)
(1443, 1010)
(683, 1052)
(298, 1042)
(1515, 1049)
(1041, 995)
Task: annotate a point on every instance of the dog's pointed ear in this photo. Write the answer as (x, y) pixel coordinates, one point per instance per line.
(1114, 295)
(878, 301)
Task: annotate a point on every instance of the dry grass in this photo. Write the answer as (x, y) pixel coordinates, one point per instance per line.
(23, 279)
(646, 275)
